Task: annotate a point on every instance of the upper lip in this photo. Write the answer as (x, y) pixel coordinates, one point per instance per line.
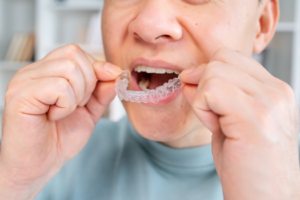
(154, 64)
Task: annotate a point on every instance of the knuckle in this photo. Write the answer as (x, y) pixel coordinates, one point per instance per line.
(282, 95)
(71, 66)
(72, 49)
(263, 110)
(278, 98)
(214, 65)
(220, 53)
(211, 85)
(65, 91)
(265, 121)
(281, 104)
(196, 106)
(264, 114)
(9, 94)
(71, 101)
(212, 69)
(13, 88)
(61, 84)
(63, 87)
(287, 89)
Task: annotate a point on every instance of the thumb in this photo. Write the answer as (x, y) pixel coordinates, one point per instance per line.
(208, 118)
(106, 71)
(189, 91)
(192, 75)
(102, 96)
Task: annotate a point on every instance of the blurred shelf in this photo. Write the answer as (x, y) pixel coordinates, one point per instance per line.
(92, 48)
(286, 27)
(87, 48)
(77, 6)
(6, 65)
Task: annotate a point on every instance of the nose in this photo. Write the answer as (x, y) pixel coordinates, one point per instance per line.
(156, 23)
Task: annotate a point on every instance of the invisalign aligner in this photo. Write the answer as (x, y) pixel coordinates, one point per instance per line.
(153, 96)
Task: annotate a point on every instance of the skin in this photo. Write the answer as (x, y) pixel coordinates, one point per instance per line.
(178, 37)
(250, 117)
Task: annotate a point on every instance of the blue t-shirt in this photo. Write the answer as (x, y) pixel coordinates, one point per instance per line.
(119, 164)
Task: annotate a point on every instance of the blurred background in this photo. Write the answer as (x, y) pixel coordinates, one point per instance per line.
(29, 29)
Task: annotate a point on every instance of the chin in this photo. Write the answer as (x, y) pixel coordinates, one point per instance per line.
(162, 123)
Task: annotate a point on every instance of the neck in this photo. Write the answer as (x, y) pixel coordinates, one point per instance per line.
(199, 137)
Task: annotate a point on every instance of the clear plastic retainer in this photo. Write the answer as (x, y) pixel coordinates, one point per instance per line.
(153, 96)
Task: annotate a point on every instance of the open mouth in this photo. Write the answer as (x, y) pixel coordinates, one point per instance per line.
(149, 78)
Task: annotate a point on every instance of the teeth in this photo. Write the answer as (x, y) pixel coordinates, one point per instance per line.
(144, 84)
(169, 71)
(160, 71)
(143, 68)
(152, 70)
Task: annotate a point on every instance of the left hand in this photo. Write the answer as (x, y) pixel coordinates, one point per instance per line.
(254, 120)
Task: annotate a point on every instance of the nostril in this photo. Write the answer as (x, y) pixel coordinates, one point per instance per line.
(163, 37)
(137, 36)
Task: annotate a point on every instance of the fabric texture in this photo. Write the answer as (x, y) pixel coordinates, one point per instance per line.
(119, 164)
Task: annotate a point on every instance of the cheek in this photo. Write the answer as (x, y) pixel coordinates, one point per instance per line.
(114, 31)
(221, 28)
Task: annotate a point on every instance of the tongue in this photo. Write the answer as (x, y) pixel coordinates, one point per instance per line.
(159, 79)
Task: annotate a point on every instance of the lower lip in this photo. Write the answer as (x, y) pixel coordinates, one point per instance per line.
(171, 97)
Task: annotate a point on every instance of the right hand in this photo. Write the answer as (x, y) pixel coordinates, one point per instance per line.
(51, 110)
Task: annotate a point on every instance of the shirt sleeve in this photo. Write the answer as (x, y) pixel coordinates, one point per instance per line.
(61, 186)
(43, 195)
(76, 177)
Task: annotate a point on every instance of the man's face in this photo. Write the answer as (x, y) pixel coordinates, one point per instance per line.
(174, 35)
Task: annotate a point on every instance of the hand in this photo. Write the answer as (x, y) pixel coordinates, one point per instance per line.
(51, 109)
(254, 120)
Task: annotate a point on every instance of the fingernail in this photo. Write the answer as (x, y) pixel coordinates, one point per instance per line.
(85, 101)
(112, 69)
(187, 71)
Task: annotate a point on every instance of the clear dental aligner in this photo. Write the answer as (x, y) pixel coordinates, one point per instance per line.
(153, 96)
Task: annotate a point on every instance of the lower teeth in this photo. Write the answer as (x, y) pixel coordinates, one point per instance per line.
(144, 84)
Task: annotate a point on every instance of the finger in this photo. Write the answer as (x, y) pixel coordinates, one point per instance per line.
(74, 52)
(68, 51)
(61, 68)
(226, 72)
(53, 96)
(221, 104)
(209, 118)
(233, 75)
(100, 99)
(91, 68)
(244, 63)
(71, 71)
(106, 71)
(189, 91)
(192, 75)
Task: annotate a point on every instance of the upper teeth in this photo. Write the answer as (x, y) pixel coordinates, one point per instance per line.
(143, 68)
